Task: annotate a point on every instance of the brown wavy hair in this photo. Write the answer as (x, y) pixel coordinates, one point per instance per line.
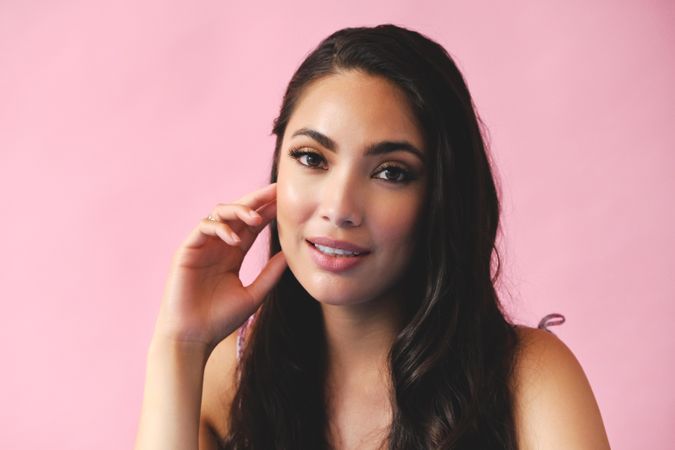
(452, 361)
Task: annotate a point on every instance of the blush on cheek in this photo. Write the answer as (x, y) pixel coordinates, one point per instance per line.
(294, 201)
(292, 212)
(395, 222)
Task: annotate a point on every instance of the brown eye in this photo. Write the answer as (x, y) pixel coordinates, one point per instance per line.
(396, 174)
(312, 159)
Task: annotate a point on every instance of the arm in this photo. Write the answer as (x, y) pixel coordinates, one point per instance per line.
(554, 404)
(170, 415)
(204, 302)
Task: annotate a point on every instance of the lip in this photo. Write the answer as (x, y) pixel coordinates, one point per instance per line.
(342, 245)
(333, 263)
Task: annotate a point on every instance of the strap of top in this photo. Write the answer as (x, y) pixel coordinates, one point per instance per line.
(241, 335)
(551, 319)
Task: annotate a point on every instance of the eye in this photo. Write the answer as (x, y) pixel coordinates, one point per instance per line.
(396, 174)
(312, 159)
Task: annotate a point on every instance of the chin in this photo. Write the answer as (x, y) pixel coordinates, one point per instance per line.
(327, 291)
(343, 292)
(335, 301)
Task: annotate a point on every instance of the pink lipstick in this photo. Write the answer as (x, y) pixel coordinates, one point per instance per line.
(336, 263)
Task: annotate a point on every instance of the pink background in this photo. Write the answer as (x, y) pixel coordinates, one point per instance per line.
(123, 123)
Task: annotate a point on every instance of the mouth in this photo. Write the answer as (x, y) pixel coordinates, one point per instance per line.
(334, 260)
(329, 245)
(337, 249)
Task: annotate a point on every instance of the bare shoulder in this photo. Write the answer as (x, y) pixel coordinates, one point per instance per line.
(554, 404)
(218, 392)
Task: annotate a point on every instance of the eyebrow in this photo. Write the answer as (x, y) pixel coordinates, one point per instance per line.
(378, 148)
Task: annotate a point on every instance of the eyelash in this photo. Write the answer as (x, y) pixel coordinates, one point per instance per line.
(408, 176)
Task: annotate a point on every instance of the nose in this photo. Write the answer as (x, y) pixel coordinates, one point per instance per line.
(341, 199)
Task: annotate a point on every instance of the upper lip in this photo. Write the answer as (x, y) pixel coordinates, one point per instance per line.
(342, 245)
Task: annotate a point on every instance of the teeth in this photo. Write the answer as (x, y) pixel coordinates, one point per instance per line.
(335, 251)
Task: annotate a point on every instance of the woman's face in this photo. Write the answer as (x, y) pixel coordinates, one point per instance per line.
(355, 174)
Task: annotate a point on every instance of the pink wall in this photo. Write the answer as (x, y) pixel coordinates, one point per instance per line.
(123, 123)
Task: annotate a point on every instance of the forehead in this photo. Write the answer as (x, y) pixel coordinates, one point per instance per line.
(355, 108)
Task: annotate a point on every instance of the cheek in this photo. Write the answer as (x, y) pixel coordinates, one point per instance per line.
(395, 221)
(293, 204)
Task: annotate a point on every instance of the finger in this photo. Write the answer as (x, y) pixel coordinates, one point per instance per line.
(244, 211)
(259, 197)
(235, 214)
(268, 211)
(221, 230)
(268, 277)
(249, 234)
(195, 239)
(245, 208)
(207, 229)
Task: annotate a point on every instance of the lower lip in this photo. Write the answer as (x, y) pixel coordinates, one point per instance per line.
(334, 263)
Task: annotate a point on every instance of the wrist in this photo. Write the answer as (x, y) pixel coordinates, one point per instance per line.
(190, 351)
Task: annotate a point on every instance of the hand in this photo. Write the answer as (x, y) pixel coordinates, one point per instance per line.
(204, 299)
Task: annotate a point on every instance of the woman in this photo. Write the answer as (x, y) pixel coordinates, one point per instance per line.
(376, 321)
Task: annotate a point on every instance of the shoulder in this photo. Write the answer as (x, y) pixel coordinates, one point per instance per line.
(554, 405)
(218, 391)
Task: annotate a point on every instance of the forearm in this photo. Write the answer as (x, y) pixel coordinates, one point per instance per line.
(172, 396)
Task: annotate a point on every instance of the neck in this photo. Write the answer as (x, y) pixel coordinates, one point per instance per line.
(358, 339)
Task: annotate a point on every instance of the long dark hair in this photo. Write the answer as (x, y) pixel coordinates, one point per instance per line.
(452, 361)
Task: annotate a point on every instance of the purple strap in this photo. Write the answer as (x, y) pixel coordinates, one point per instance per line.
(241, 336)
(551, 319)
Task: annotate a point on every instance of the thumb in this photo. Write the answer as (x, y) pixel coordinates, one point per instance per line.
(268, 277)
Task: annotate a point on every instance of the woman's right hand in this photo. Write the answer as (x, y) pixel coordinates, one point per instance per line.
(204, 299)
